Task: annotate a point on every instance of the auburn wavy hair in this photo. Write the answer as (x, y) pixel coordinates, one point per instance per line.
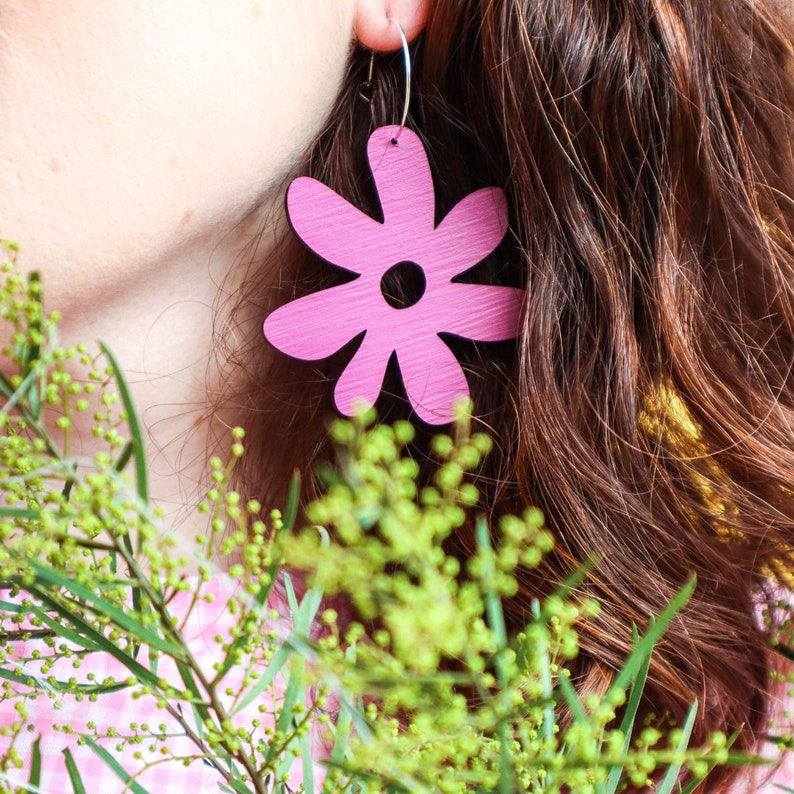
(645, 147)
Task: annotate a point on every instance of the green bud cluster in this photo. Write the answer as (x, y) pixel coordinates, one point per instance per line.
(396, 654)
(453, 703)
(87, 567)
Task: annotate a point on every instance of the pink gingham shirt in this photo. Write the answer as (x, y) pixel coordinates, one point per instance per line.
(119, 709)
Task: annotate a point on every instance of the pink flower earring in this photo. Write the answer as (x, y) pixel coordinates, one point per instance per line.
(317, 325)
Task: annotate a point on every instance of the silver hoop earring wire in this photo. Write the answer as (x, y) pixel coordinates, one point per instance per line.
(407, 59)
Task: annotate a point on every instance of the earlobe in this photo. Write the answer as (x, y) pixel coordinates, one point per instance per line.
(376, 22)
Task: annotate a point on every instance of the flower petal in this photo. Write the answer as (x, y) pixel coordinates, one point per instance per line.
(433, 378)
(317, 325)
(403, 180)
(480, 312)
(332, 227)
(360, 384)
(469, 232)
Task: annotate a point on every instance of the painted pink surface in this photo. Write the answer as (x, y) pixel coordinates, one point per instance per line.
(317, 325)
(117, 710)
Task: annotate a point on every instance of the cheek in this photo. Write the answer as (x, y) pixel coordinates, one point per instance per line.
(126, 134)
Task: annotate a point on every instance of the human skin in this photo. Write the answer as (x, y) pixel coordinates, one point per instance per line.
(143, 144)
(133, 131)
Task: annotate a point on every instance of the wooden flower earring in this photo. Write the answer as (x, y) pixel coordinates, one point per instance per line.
(317, 325)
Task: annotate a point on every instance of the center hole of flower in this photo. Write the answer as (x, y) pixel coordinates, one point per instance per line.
(403, 285)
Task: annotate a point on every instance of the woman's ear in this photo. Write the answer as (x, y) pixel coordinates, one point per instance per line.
(376, 22)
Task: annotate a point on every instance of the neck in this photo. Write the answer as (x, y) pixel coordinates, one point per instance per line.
(160, 326)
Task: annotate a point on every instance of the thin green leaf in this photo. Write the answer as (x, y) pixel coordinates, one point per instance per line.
(568, 586)
(292, 600)
(124, 458)
(30, 351)
(15, 395)
(493, 603)
(263, 594)
(656, 630)
(295, 690)
(186, 674)
(237, 786)
(33, 348)
(307, 761)
(6, 387)
(293, 501)
(496, 622)
(66, 491)
(571, 697)
(506, 776)
(286, 759)
(116, 767)
(12, 606)
(307, 611)
(141, 481)
(119, 618)
(19, 394)
(343, 722)
(630, 715)
(635, 694)
(20, 512)
(782, 742)
(547, 728)
(302, 616)
(35, 765)
(198, 724)
(669, 780)
(274, 666)
(54, 685)
(137, 601)
(87, 632)
(64, 632)
(260, 599)
(362, 728)
(74, 774)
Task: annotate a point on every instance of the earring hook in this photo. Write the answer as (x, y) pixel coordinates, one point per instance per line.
(407, 59)
(367, 88)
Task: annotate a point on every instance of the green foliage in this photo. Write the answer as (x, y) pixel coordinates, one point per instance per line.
(84, 558)
(452, 703)
(423, 691)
